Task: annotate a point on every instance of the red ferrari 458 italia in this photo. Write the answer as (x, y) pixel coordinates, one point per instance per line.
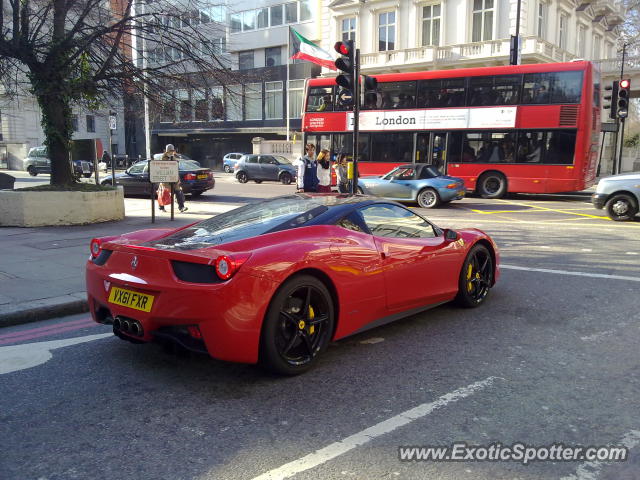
(274, 282)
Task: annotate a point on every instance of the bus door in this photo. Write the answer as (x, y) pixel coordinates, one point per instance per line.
(422, 147)
(438, 157)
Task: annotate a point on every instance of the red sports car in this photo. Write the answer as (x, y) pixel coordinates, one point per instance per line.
(274, 282)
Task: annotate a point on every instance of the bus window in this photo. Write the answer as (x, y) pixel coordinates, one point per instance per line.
(560, 147)
(392, 147)
(494, 90)
(320, 99)
(536, 88)
(488, 147)
(398, 94)
(531, 146)
(567, 87)
(441, 93)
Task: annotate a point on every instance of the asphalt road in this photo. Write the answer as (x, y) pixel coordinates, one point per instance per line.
(551, 357)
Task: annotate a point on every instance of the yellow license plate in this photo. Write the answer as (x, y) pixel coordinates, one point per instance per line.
(127, 298)
(202, 176)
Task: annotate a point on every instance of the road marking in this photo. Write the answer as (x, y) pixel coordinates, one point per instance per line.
(42, 329)
(591, 470)
(632, 253)
(31, 334)
(346, 444)
(566, 272)
(586, 250)
(28, 355)
(556, 210)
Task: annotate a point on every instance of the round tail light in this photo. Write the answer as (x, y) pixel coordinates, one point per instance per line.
(95, 247)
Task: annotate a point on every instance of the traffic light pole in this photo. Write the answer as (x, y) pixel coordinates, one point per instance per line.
(621, 129)
(356, 120)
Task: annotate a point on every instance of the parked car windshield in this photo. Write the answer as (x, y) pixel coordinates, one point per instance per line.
(245, 222)
(188, 164)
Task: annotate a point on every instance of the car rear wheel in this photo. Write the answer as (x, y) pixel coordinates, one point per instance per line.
(492, 185)
(621, 207)
(32, 170)
(298, 326)
(428, 198)
(86, 175)
(227, 169)
(107, 182)
(476, 277)
(242, 177)
(285, 178)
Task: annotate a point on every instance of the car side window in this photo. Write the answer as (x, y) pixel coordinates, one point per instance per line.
(267, 160)
(251, 159)
(138, 168)
(386, 220)
(351, 222)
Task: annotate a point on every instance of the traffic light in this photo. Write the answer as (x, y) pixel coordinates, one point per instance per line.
(623, 98)
(346, 64)
(612, 99)
(372, 98)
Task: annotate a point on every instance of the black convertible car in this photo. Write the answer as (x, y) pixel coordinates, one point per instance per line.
(135, 180)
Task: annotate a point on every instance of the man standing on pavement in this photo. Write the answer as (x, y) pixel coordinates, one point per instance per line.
(307, 170)
(170, 154)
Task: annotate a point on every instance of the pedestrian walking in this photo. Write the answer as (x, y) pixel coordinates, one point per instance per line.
(324, 171)
(106, 158)
(341, 173)
(307, 166)
(170, 154)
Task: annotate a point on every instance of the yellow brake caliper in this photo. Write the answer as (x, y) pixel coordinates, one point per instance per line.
(311, 315)
(469, 275)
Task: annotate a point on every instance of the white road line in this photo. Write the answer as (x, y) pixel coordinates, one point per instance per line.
(349, 443)
(591, 470)
(632, 253)
(28, 355)
(565, 272)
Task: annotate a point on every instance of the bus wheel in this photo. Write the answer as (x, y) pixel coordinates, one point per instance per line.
(492, 185)
(621, 207)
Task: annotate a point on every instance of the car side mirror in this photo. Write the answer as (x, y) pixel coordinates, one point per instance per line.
(451, 235)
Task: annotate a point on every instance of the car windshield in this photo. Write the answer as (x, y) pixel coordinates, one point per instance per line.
(400, 173)
(283, 160)
(255, 219)
(188, 164)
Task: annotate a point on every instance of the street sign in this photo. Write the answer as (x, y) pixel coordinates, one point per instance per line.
(608, 127)
(112, 122)
(165, 171)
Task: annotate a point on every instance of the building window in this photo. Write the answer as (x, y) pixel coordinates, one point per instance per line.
(253, 101)
(273, 100)
(482, 20)
(581, 38)
(74, 123)
(597, 41)
(386, 31)
(276, 15)
(273, 56)
(295, 91)
(431, 25)
(542, 19)
(184, 106)
(245, 60)
(249, 20)
(291, 12)
(305, 10)
(217, 104)
(236, 22)
(610, 51)
(168, 114)
(349, 28)
(200, 106)
(563, 20)
(233, 101)
(91, 123)
(263, 18)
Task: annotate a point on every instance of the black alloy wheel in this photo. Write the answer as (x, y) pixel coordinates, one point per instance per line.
(298, 326)
(242, 177)
(285, 178)
(476, 277)
(492, 185)
(621, 207)
(32, 170)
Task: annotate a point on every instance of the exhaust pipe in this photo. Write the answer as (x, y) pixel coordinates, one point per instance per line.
(136, 329)
(117, 324)
(126, 326)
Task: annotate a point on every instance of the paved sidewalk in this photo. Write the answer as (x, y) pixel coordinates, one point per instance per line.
(42, 269)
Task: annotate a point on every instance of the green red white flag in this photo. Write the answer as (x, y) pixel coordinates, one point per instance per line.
(304, 49)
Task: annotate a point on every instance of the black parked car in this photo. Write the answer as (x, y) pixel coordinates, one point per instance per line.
(135, 180)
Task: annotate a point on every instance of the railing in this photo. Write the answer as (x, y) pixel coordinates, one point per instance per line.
(612, 65)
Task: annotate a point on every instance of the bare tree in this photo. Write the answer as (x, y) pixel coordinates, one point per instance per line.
(68, 52)
(631, 26)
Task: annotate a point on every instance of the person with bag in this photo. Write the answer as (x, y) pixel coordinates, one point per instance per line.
(324, 171)
(341, 173)
(307, 180)
(169, 154)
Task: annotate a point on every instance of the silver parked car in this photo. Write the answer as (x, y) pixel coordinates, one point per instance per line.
(37, 161)
(265, 167)
(619, 195)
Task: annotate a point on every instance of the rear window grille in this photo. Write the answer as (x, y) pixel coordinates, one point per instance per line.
(568, 115)
(195, 272)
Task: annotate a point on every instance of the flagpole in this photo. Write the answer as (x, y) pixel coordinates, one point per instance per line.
(287, 86)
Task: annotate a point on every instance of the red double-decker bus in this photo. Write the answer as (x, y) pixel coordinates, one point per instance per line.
(519, 128)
